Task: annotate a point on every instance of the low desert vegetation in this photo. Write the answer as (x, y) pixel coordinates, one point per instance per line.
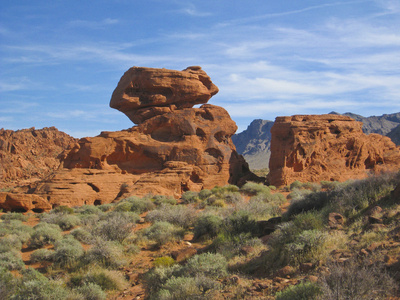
(242, 235)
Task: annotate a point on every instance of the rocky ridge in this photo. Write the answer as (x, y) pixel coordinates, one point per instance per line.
(30, 154)
(327, 147)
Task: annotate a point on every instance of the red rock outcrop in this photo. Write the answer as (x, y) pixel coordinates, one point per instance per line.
(327, 147)
(23, 202)
(168, 153)
(143, 93)
(30, 153)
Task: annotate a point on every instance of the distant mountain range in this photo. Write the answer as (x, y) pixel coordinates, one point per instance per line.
(254, 143)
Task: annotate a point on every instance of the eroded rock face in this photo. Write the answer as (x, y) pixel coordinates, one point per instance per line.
(171, 151)
(23, 202)
(143, 93)
(30, 153)
(327, 147)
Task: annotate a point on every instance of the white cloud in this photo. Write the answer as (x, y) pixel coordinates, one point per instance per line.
(93, 24)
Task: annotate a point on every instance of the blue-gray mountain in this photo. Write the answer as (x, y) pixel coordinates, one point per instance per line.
(254, 142)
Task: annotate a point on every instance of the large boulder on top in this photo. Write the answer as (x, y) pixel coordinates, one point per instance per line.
(327, 147)
(143, 93)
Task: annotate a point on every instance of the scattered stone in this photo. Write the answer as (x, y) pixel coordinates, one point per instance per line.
(285, 271)
(335, 221)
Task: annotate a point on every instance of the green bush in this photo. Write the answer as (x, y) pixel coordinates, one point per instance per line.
(15, 227)
(90, 210)
(210, 225)
(190, 197)
(10, 242)
(7, 283)
(180, 215)
(106, 279)
(207, 264)
(65, 221)
(257, 207)
(302, 291)
(67, 252)
(83, 235)
(62, 209)
(34, 285)
(138, 205)
(253, 188)
(230, 245)
(296, 185)
(164, 261)
(105, 207)
(91, 291)
(44, 234)
(204, 194)
(163, 232)
(115, 226)
(357, 280)
(106, 253)
(241, 222)
(42, 255)
(159, 200)
(14, 216)
(11, 260)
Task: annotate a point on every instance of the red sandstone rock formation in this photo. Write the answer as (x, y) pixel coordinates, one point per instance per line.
(143, 93)
(326, 147)
(171, 150)
(23, 202)
(30, 153)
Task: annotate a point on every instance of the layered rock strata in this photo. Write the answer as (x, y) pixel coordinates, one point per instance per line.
(174, 147)
(329, 147)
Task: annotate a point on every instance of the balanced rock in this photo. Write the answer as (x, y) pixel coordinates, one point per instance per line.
(143, 93)
(327, 147)
(167, 153)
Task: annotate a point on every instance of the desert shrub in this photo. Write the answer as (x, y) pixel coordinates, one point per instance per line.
(188, 288)
(106, 279)
(7, 283)
(313, 186)
(105, 207)
(210, 225)
(230, 245)
(190, 197)
(123, 206)
(163, 232)
(15, 227)
(179, 215)
(67, 252)
(11, 260)
(296, 185)
(14, 216)
(164, 261)
(232, 197)
(62, 209)
(253, 188)
(259, 208)
(34, 285)
(106, 253)
(308, 202)
(241, 221)
(297, 194)
(156, 277)
(212, 265)
(83, 235)
(159, 200)
(44, 234)
(354, 280)
(89, 210)
(115, 226)
(10, 242)
(204, 194)
(65, 221)
(302, 291)
(140, 205)
(89, 220)
(329, 185)
(91, 291)
(41, 255)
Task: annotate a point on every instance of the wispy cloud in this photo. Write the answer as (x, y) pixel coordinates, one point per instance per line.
(93, 24)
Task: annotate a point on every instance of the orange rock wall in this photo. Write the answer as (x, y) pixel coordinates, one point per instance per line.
(311, 148)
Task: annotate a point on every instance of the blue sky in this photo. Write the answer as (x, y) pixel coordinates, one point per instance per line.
(61, 60)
